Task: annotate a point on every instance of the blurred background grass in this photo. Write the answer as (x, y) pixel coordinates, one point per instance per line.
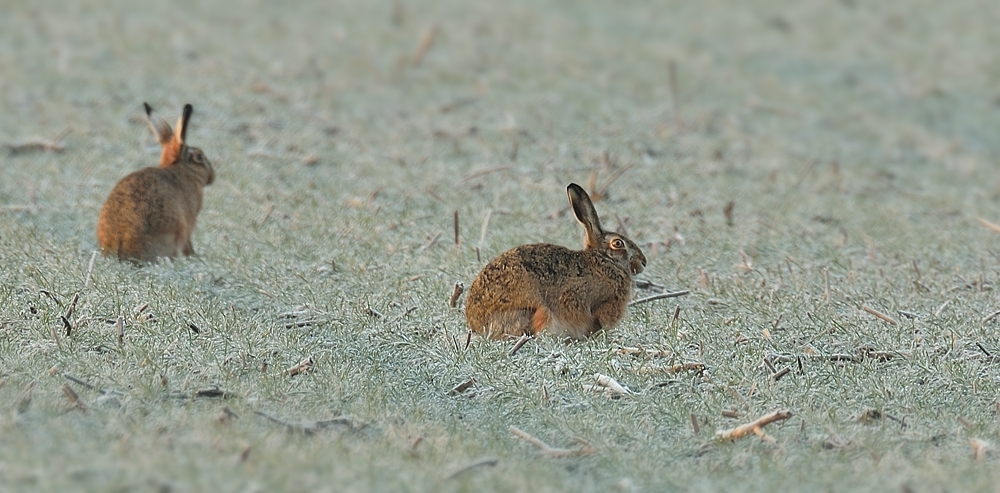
(857, 143)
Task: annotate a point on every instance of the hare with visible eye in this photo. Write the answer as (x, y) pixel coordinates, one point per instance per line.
(151, 213)
(539, 287)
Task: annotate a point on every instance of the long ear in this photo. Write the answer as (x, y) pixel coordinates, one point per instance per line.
(160, 127)
(182, 124)
(584, 210)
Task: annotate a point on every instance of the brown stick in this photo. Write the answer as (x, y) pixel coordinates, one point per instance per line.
(659, 296)
(462, 387)
(55, 335)
(37, 144)
(517, 345)
(979, 449)
(672, 369)
(424, 46)
(754, 427)
(73, 397)
(992, 226)
(647, 284)
(67, 324)
(880, 315)
(456, 294)
(302, 367)
(310, 428)
(556, 453)
(606, 384)
(120, 330)
(485, 462)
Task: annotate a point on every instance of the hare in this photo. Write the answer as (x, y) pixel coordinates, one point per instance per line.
(571, 293)
(151, 213)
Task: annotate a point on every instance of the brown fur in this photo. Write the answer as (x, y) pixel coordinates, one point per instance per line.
(151, 213)
(539, 287)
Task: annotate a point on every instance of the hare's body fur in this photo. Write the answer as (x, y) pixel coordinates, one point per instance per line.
(547, 287)
(565, 292)
(152, 212)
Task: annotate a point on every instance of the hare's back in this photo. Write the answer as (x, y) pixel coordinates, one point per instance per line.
(546, 264)
(145, 199)
(529, 275)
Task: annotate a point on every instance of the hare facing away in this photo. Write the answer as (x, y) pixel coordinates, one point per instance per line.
(151, 212)
(571, 293)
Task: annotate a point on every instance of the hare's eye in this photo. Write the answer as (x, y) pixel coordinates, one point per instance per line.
(617, 244)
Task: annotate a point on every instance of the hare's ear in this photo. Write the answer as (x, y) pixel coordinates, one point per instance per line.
(584, 210)
(182, 124)
(160, 127)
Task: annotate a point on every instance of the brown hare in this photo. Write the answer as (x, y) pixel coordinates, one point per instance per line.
(571, 293)
(151, 213)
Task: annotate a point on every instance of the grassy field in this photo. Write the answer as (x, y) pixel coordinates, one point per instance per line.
(857, 143)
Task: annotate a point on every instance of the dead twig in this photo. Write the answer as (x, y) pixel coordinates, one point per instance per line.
(91, 386)
(835, 441)
(556, 453)
(485, 171)
(39, 144)
(302, 367)
(979, 449)
(462, 387)
(430, 243)
(672, 368)
(484, 462)
(55, 335)
(456, 294)
(426, 41)
(608, 385)
(647, 284)
(877, 314)
(120, 330)
(67, 324)
(756, 427)
(313, 427)
(74, 399)
(992, 226)
(981, 348)
(90, 270)
(72, 307)
(517, 345)
(266, 215)
(659, 296)
(457, 103)
(212, 393)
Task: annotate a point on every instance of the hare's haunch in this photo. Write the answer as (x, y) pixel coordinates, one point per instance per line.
(539, 287)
